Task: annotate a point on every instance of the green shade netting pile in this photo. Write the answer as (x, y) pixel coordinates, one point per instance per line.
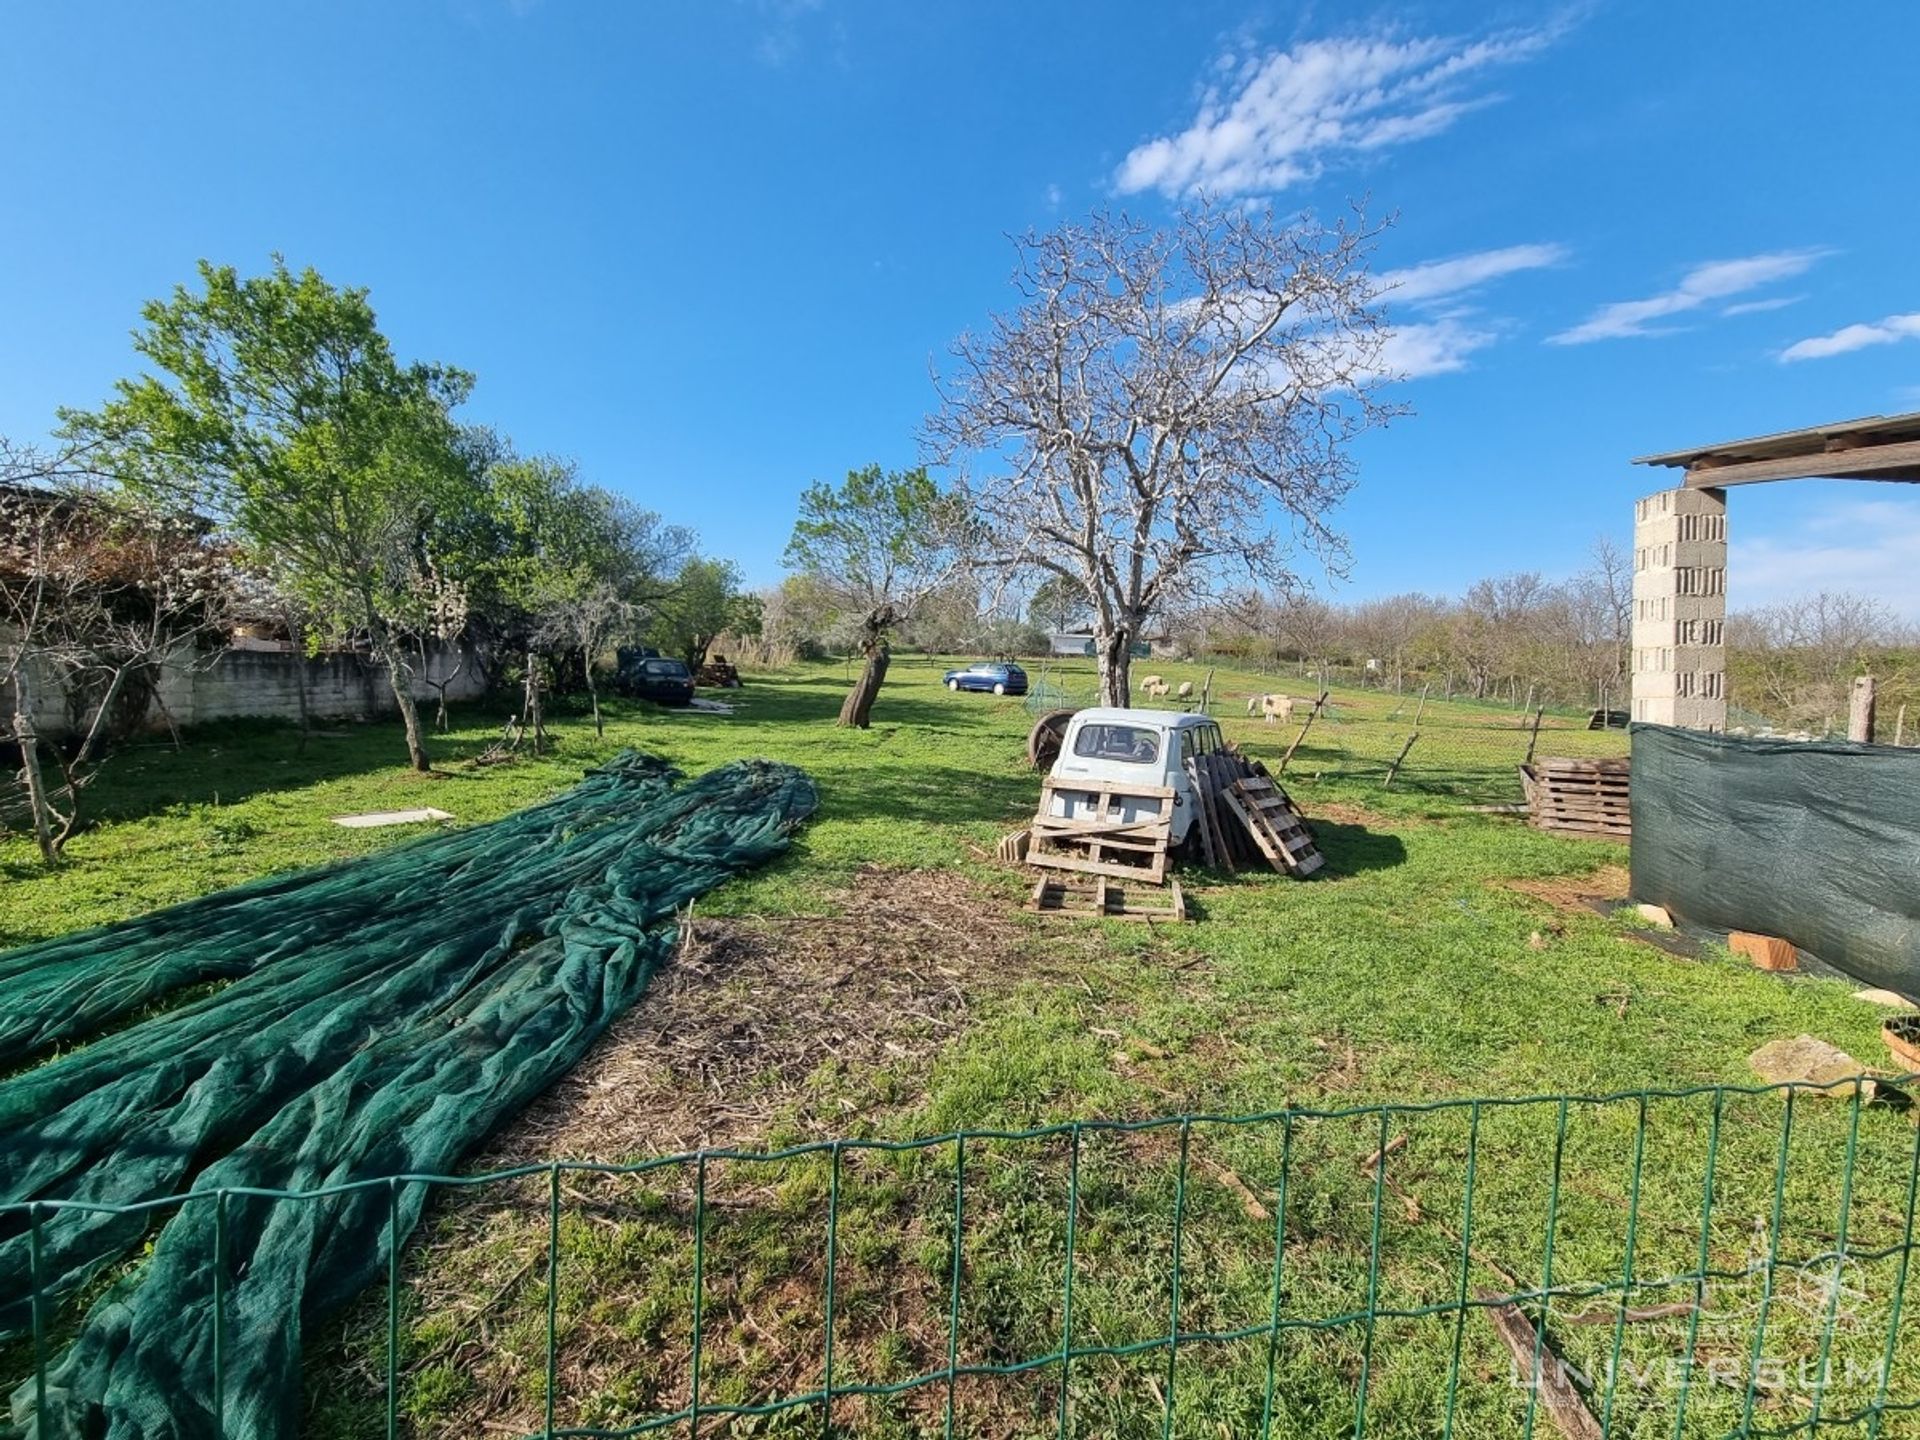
(381, 1018)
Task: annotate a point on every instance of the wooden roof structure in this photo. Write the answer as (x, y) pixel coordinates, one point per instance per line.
(1876, 447)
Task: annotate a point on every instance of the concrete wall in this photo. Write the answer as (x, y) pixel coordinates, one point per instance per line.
(1680, 609)
(266, 684)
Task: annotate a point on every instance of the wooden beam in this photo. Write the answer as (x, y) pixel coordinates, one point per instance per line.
(1897, 462)
(1860, 710)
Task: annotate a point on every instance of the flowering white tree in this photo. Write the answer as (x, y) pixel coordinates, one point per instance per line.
(1167, 410)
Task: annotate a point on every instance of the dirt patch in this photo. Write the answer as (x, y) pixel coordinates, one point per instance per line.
(760, 1032)
(732, 1030)
(1572, 892)
(1342, 814)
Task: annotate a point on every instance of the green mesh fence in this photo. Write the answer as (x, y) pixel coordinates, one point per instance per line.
(374, 1019)
(1714, 1261)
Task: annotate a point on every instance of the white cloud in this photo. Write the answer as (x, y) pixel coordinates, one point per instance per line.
(1715, 280)
(1855, 337)
(1284, 116)
(1758, 307)
(1865, 547)
(1437, 347)
(1435, 279)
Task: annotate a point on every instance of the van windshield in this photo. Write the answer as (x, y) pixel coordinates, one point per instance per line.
(1129, 744)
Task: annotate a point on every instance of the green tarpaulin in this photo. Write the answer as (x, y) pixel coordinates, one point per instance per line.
(1816, 842)
(378, 1019)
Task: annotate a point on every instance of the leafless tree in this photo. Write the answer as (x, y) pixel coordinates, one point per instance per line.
(97, 594)
(1801, 655)
(1167, 410)
(1600, 601)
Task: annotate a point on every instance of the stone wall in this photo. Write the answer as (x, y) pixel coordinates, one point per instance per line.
(265, 683)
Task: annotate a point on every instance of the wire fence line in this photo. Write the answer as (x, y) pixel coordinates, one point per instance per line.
(1410, 740)
(1713, 1260)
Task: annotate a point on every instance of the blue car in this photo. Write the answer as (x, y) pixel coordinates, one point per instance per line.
(989, 675)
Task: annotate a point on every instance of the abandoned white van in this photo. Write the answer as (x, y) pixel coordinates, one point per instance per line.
(1132, 747)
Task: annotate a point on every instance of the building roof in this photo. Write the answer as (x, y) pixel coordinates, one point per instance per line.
(1875, 447)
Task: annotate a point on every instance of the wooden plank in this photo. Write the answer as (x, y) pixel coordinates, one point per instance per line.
(1153, 871)
(1215, 768)
(1104, 900)
(1897, 461)
(1202, 819)
(1558, 1395)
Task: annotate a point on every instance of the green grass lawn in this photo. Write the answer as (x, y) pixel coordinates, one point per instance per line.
(1413, 971)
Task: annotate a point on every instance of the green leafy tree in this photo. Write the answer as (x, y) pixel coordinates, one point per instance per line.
(277, 409)
(879, 543)
(585, 566)
(706, 602)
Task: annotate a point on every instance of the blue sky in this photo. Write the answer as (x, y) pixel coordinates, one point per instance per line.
(712, 249)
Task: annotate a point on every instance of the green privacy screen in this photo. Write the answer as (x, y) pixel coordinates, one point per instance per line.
(1814, 842)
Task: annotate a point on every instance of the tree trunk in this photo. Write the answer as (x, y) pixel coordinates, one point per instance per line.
(536, 719)
(593, 695)
(856, 710)
(390, 655)
(300, 684)
(410, 718)
(1115, 653)
(29, 741)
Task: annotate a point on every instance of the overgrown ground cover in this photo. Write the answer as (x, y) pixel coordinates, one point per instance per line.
(1431, 964)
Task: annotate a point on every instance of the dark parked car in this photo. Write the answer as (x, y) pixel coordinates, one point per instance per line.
(991, 675)
(652, 677)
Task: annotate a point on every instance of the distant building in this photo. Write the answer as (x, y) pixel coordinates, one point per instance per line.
(1080, 642)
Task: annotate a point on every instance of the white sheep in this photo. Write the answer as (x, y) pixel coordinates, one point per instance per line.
(1271, 707)
(1185, 692)
(1154, 686)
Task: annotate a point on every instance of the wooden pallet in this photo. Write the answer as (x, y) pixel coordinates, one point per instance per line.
(1101, 898)
(1580, 797)
(1099, 839)
(1207, 832)
(1269, 817)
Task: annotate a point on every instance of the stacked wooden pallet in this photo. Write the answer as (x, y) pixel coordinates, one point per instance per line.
(1276, 825)
(1107, 899)
(1245, 817)
(1105, 832)
(1103, 828)
(1579, 797)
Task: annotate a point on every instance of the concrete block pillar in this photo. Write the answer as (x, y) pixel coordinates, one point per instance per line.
(1680, 609)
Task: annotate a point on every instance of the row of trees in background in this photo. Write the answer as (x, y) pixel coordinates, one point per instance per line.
(1144, 446)
(278, 463)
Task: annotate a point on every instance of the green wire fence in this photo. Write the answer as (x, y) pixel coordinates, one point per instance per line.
(1715, 1260)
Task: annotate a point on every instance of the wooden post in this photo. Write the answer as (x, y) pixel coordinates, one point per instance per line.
(1206, 692)
(1423, 704)
(1860, 710)
(1900, 726)
(1394, 769)
(1534, 738)
(1311, 714)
